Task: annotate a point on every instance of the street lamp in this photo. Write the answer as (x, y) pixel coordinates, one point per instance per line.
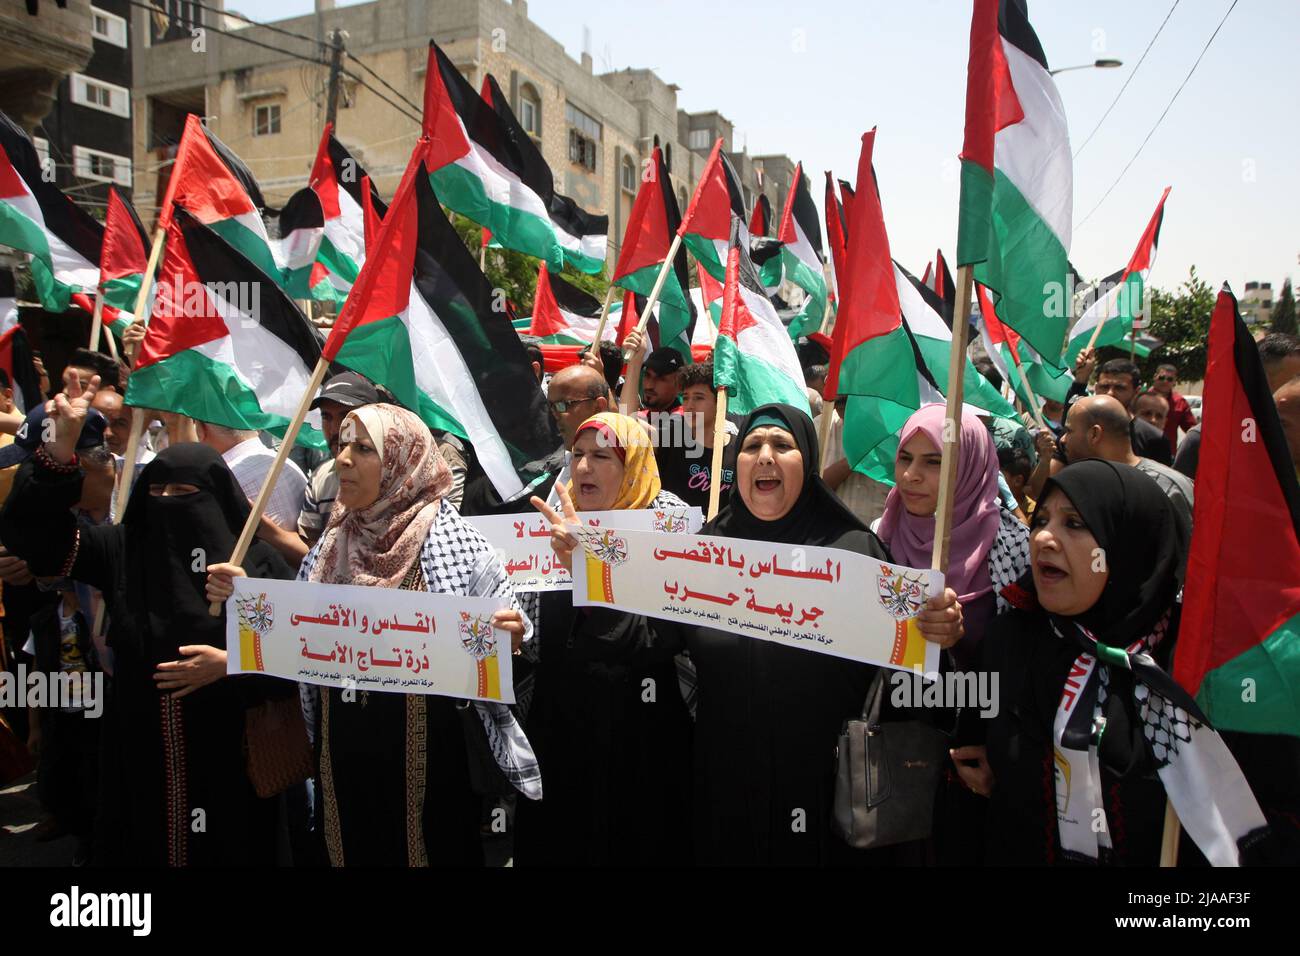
(1095, 65)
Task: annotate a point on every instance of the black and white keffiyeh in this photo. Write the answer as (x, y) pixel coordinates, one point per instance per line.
(457, 559)
(1109, 686)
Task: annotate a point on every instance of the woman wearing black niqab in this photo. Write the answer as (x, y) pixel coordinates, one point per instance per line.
(167, 753)
(769, 715)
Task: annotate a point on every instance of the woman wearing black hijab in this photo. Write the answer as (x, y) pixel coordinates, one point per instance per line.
(769, 716)
(1088, 730)
(174, 789)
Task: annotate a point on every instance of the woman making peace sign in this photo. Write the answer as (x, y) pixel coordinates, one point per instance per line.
(611, 732)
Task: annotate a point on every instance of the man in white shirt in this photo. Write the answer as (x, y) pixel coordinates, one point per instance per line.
(250, 461)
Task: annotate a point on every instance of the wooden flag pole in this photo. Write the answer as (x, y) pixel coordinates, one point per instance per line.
(604, 317)
(97, 320)
(824, 422)
(719, 440)
(1097, 331)
(127, 476)
(281, 456)
(658, 287)
(112, 344)
(482, 258)
(1169, 839)
(1034, 402)
(952, 423)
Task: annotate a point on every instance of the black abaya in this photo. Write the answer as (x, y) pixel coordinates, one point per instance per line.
(174, 787)
(769, 716)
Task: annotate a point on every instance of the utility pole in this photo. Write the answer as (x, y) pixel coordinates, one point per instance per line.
(336, 57)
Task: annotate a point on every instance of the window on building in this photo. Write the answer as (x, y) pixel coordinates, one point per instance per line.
(700, 139)
(174, 20)
(101, 95)
(100, 166)
(629, 174)
(108, 27)
(266, 120)
(584, 137)
(530, 110)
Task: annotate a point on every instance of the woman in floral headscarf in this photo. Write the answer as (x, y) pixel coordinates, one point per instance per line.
(395, 772)
(611, 730)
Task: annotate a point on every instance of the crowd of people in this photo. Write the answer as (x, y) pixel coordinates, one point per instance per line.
(733, 760)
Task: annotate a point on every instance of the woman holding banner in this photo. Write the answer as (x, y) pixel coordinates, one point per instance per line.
(769, 715)
(989, 550)
(395, 769)
(174, 788)
(1074, 654)
(611, 730)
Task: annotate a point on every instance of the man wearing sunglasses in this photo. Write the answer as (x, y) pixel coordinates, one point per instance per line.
(575, 393)
(1180, 413)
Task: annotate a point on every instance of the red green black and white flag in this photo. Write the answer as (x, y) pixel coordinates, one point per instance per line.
(1017, 178)
(225, 344)
(565, 315)
(706, 225)
(1120, 297)
(422, 321)
(753, 357)
(62, 239)
(801, 254)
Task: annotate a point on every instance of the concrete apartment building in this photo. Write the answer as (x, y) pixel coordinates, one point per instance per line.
(1256, 303)
(595, 130)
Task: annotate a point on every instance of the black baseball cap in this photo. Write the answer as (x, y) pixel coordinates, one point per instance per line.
(664, 361)
(350, 390)
(31, 431)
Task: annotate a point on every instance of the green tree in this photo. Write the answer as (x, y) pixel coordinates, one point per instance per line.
(516, 273)
(1181, 320)
(1283, 318)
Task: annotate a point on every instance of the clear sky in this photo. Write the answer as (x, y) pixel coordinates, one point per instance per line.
(808, 79)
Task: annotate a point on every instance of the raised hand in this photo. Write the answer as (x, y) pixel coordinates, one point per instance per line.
(1084, 363)
(69, 410)
(563, 542)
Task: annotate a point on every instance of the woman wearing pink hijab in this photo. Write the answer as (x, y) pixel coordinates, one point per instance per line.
(989, 550)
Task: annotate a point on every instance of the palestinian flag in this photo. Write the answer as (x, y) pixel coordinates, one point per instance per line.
(760, 217)
(214, 186)
(420, 321)
(123, 257)
(480, 168)
(753, 357)
(801, 254)
(872, 356)
(653, 222)
(1238, 647)
(62, 239)
(710, 292)
(225, 344)
(565, 315)
(932, 341)
(15, 351)
(706, 226)
(303, 223)
(1120, 296)
(944, 287)
(837, 234)
(372, 210)
(583, 236)
(1017, 177)
(928, 279)
(339, 238)
(1004, 346)
(766, 255)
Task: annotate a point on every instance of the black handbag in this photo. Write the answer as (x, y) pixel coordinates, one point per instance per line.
(886, 777)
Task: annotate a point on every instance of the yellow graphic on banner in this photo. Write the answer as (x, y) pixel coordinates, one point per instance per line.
(599, 586)
(909, 645)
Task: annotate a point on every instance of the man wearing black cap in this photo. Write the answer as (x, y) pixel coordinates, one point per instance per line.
(338, 396)
(661, 383)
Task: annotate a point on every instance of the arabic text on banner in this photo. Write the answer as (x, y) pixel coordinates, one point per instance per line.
(383, 639)
(523, 541)
(820, 599)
